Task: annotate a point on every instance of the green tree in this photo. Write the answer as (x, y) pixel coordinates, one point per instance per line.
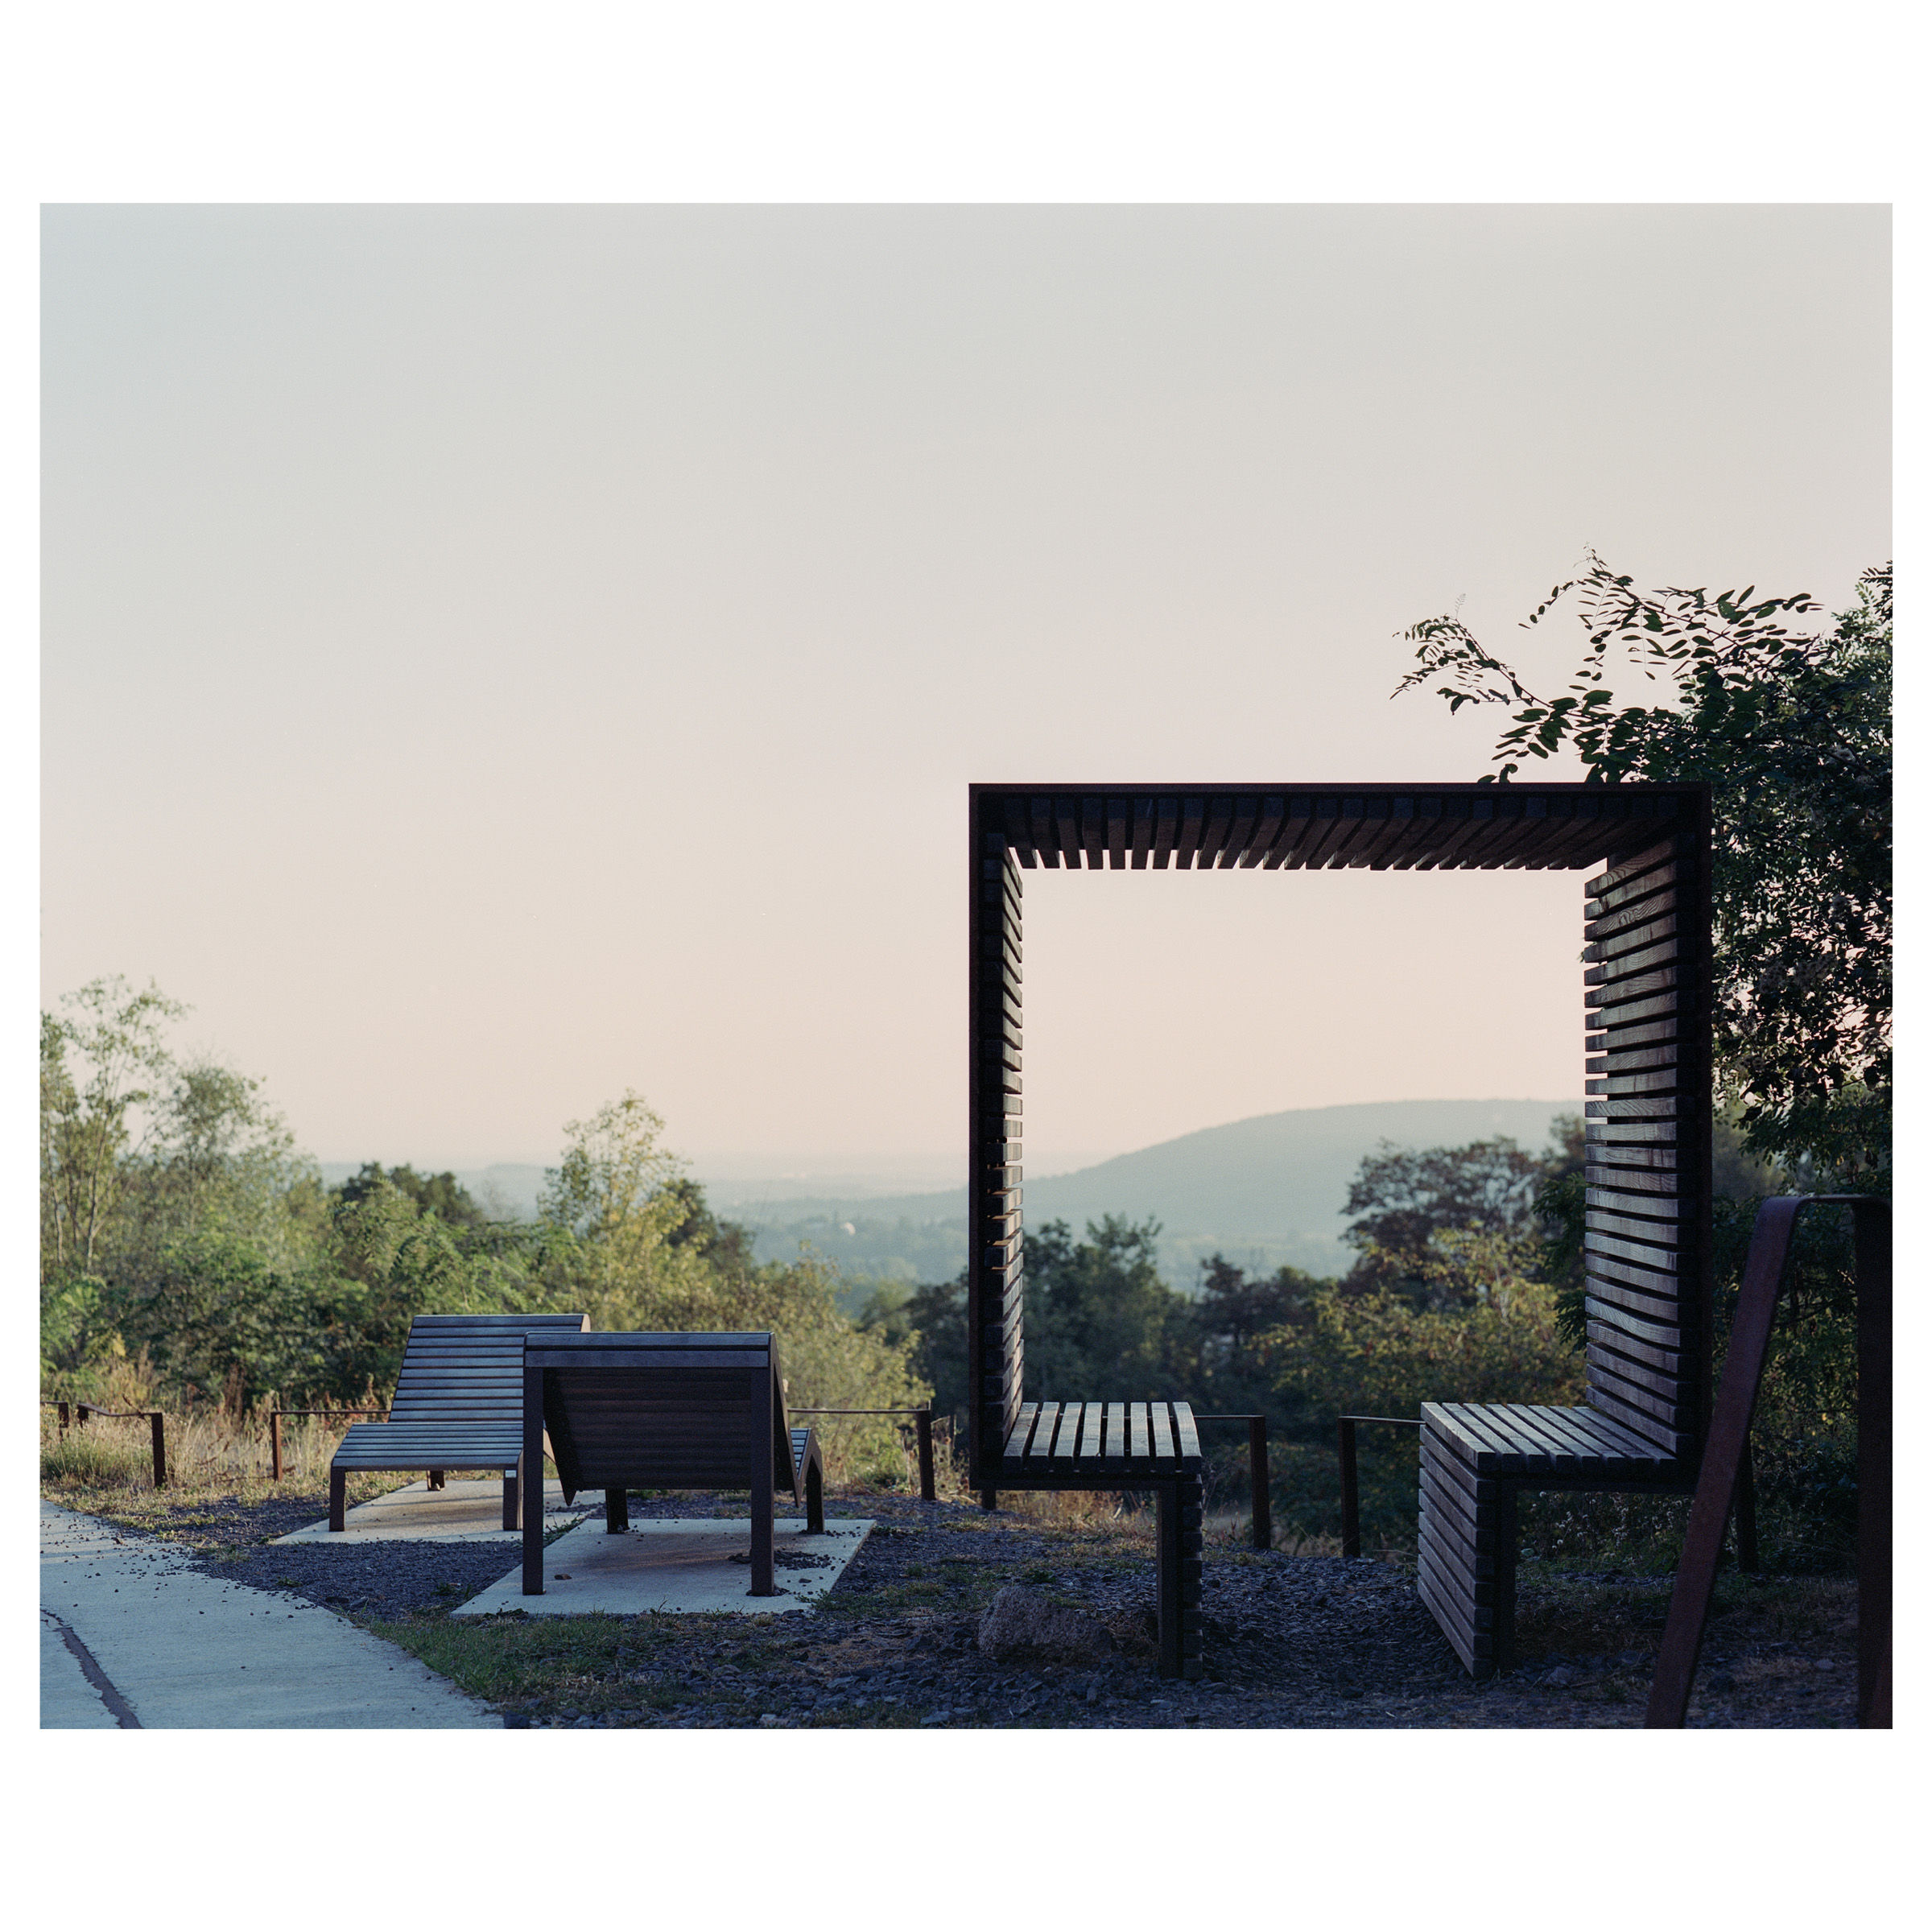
(1099, 1319)
(100, 1062)
(1793, 731)
(441, 1195)
(1403, 1199)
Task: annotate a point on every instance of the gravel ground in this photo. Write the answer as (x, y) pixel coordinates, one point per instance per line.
(1290, 1642)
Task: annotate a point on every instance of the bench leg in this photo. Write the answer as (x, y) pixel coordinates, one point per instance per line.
(531, 1464)
(510, 1487)
(617, 1511)
(763, 1394)
(1505, 1574)
(1167, 1576)
(814, 1500)
(437, 1478)
(338, 1499)
(989, 1498)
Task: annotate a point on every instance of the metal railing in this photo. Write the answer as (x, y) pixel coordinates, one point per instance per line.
(923, 1428)
(157, 1428)
(1344, 1433)
(1722, 1472)
(1261, 1530)
(275, 1431)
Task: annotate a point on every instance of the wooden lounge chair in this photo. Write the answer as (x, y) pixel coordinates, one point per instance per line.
(458, 1405)
(667, 1412)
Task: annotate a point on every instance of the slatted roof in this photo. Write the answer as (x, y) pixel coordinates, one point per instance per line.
(1376, 828)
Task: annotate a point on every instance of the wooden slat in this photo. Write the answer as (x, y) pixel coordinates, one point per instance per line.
(1188, 1442)
(1610, 888)
(1117, 1429)
(1667, 1386)
(1663, 1233)
(1675, 1441)
(1162, 1427)
(1667, 1361)
(1649, 1256)
(1665, 1334)
(1140, 1434)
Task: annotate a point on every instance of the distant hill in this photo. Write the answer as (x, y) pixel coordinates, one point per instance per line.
(1264, 1191)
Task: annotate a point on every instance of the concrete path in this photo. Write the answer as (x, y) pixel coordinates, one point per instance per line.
(133, 1636)
(686, 1564)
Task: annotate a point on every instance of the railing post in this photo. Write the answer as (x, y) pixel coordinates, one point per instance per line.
(80, 1415)
(159, 1433)
(1351, 1525)
(62, 1407)
(275, 1445)
(922, 1424)
(1872, 1234)
(1263, 1528)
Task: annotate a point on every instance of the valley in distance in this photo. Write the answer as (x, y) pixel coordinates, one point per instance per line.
(1264, 1192)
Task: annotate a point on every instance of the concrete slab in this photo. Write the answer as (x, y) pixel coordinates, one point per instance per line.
(179, 1649)
(466, 1509)
(67, 1701)
(677, 1565)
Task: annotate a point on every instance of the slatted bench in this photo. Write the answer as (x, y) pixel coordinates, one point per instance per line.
(458, 1405)
(1647, 1224)
(676, 1411)
(1646, 1246)
(1128, 1446)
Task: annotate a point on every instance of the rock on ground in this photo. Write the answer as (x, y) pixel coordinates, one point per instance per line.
(1022, 1624)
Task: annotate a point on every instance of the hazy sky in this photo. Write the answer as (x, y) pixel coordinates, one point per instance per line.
(494, 658)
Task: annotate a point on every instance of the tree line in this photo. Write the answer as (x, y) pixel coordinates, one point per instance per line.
(185, 1243)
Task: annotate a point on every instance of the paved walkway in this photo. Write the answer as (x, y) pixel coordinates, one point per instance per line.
(134, 1636)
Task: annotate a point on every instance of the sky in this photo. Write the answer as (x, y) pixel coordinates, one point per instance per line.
(497, 657)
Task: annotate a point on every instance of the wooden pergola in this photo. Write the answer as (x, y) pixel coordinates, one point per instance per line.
(1646, 943)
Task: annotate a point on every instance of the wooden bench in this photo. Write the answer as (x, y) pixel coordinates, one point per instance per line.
(692, 1411)
(1127, 1445)
(458, 1405)
(1649, 941)
(1646, 1249)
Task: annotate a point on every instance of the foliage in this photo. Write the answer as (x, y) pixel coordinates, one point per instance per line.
(115, 1037)
(205, 1247)
(441, 1195)
(1793, 731)
(1403, 1199)
(1489, 1335)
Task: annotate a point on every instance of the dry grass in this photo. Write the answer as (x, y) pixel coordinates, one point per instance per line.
(105, 1466)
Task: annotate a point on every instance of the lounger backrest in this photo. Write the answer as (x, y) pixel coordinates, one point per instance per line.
(1646, 1214)
(660, 1411)
(469, 1367)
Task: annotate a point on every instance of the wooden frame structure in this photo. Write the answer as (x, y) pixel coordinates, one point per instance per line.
(1646, 945)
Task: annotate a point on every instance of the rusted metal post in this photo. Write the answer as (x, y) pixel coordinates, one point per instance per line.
(1351, 1524)
(921, 1422)
(80, 1415)
(1873, 1233)
(62, 1407)
(158, 1430)
(275, 1445)
(1263, 1536)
